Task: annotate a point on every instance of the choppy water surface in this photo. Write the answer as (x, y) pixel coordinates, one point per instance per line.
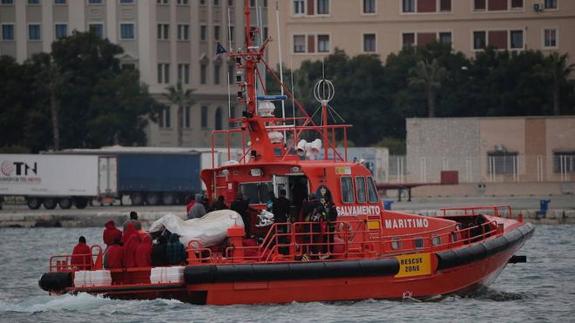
(541, 290)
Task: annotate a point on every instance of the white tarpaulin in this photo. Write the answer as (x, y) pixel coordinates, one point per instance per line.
(209, 230)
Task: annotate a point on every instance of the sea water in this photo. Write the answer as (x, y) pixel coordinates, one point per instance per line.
(541, 290)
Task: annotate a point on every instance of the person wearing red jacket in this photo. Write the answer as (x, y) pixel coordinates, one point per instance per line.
(114, 257)
(130, 247)
(81, 255)
(129, 230)
(144, 251)
(111, 233)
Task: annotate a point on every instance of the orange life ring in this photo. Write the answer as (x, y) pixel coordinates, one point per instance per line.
(344, 230)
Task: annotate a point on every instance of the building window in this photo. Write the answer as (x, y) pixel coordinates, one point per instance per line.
(7, 32)
(564, 162)
(516, 37)
(34, 32)
(184, 73)
(516, 4)
(204, 117)
(216, 3)
(97, 29)
(479, 5)
(126, 1)
(32, 2)
(232, 34)
(231, 73)
(203, 32)
(298, 7)
(323, 7)
(94, 1)
(59, 1)
(163, 73)
(252, 3)
(163, 31)
(217, 72)
(368, 6)
(126, 31)
(230, 3)
(502, 163)
(369, 43)
(550, 38)
(128, 66)
(61, 30)
(299, 43)
(444, 5)
(408, 6)
(323, 43)
(203, 73)
(202, 2)
(218, 124)
(408, 40)
(550, 4)
(182, 2)
(217, 32)
(445, 38)
(183, 32)
(165, 120)
(479, 40)
(187, 117)
(163, 2)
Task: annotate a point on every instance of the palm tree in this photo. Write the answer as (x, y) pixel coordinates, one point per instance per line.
(556, 70)
(429, 76)
(54, 79)
(180, 98)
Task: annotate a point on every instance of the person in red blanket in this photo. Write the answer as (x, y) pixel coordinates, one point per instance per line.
(111, 234)
(129, 231)
(81, 255)
(114, 257)
(130, 247)
(144, 251)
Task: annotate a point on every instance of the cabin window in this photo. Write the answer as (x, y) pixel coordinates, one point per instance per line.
(418, 243)
(257, 193)
(371, 191)
(436, 241)
(360, 187)
(347, 190)
(395, 244)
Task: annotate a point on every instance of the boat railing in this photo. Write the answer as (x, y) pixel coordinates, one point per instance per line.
(305, 241)
(70, 263)
(495, 210)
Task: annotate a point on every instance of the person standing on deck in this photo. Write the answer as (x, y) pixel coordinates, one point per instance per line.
(241, 206)
(81, 255)
(198, 210)
(111, 233)
(280, 209)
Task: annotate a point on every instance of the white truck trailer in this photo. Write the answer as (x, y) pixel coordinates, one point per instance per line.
(63, 180)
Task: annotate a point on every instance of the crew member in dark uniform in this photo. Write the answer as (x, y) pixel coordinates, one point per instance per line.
(280, 209)
(241, 206)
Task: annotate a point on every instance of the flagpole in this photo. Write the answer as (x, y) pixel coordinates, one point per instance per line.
(280, 58)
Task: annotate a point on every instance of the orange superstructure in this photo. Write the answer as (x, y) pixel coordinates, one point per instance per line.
(338, 242)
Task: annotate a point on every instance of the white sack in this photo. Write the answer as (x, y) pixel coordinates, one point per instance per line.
(209, 230)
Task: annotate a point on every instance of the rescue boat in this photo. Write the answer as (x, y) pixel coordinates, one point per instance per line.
(365, 252)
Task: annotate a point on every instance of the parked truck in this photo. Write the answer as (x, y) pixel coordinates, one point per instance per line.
(51, 180)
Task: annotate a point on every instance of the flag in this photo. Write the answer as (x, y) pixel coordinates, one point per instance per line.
(220, 49)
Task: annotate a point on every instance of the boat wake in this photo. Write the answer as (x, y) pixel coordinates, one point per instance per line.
(81, 302)
(488, 293)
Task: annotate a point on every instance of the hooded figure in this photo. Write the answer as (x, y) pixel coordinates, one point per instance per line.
(111, 233)
(129, 230)
(143, 255)
(176, 251)
(81, 255)
(114, 257)
(130, 247)
(198, 210)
